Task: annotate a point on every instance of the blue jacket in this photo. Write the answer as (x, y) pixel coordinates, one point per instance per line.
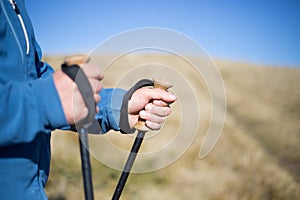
(30, 108)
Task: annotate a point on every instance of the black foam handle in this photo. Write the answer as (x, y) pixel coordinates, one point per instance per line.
(83, 84)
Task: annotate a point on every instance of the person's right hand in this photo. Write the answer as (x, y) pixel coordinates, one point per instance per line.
(72, 102)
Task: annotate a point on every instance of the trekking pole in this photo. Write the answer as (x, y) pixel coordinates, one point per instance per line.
(72, 69)
(142, 129)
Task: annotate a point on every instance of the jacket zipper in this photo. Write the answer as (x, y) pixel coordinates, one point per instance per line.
(17, 11)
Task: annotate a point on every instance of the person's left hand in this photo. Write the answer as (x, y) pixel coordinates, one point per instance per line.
(150, 104)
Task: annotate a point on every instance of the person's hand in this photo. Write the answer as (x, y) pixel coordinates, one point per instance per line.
(150, 104)
(72, 102)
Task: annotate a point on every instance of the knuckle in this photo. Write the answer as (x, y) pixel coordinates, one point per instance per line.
(162, 119)
(166, 111)
(153, 126)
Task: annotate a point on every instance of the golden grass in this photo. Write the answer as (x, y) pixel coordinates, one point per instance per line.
(257, 156)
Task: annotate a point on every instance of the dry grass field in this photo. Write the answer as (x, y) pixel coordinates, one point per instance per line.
(256, 158)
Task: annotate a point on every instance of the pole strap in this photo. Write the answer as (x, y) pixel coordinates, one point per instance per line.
(124, 123)
(83, 84)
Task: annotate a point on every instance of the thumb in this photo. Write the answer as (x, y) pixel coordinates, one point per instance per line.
(159, 94)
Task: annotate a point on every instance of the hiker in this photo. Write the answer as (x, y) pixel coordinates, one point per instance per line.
(35, 100)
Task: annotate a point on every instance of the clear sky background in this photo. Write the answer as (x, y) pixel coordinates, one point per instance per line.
(255, 31)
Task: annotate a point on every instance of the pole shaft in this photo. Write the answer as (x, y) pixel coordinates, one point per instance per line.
(129, 163)
(85, 164)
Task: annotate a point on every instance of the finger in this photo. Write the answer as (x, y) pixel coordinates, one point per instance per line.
(96, 85)
(160, 103)
(159, 94)
(153, 126)
(92, 71)
(97, 97)
(152, 117)
(158, 110)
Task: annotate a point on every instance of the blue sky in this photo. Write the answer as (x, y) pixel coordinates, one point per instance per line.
(260, 32)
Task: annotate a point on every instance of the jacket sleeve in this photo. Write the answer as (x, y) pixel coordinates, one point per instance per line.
(110, 108)
(28, 109)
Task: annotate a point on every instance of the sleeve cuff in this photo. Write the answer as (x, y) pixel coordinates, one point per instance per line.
(110, 108)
